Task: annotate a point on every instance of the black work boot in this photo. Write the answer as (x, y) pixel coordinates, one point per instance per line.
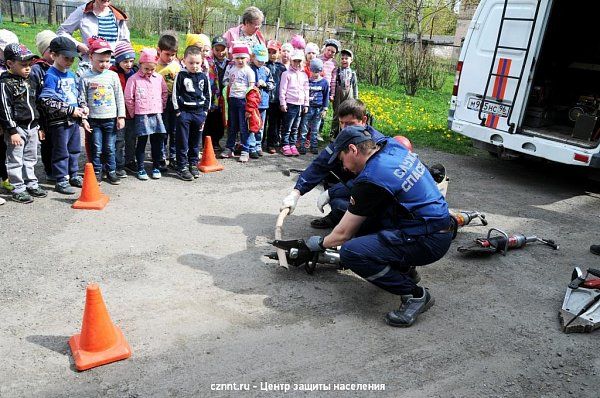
(410, 309)
(329, 221)
(595, 249)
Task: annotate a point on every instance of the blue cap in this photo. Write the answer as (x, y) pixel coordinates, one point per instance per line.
(260, 52)
(316, 65)
(349, 135)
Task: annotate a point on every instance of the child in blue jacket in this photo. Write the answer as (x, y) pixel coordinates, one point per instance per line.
(274, 115)
(265, 83)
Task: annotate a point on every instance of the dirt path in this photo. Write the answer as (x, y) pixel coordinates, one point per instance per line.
(182, 270)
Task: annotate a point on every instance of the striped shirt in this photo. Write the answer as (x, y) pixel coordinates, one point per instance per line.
(107, 27)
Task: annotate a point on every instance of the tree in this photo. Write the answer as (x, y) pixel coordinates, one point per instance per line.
(51, 12)
(198, 11)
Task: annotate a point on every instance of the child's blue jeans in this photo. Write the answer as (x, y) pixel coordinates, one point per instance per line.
(290, 125)
(311, 121)
(255, 141)
(237, 122)
(104, 137)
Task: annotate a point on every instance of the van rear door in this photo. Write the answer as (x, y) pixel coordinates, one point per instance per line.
(477, 56)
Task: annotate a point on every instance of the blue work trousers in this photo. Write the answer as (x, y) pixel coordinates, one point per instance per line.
(383, 257)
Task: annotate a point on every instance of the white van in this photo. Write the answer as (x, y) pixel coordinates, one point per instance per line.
(538, 63)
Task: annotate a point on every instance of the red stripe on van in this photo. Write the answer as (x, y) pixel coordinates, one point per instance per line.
(499, 90)
(504, 70)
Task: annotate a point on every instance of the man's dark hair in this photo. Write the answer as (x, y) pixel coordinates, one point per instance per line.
(168, 42)
(192, 50)
(352, 107)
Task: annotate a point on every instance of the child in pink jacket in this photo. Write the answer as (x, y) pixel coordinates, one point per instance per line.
(293, 99)
(145, 98)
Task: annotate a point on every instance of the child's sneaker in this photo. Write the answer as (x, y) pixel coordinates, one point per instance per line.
(76, 181)
(113, 178)
(121, 173)
(142, 175)
(185, 175)
(302, 150)
(272, 150)
(2, 201)
(244, 156)
(194, 171)
(156, 174)
(314, 151)
(259, 152)
(99, 178)
(254, 155)
(64, 187)
(294, 150)
(7, 185)
(22, 197)
(37, 192)
(287, 151)
(227, 153)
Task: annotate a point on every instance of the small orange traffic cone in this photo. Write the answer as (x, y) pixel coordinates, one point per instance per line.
(100, 341)
(91, 198)
(209, 162)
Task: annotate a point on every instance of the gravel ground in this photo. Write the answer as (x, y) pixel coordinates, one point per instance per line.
(182, 270)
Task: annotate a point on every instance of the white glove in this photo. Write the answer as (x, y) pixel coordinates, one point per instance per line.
(261, 83)
(323, 200)
(290, 201)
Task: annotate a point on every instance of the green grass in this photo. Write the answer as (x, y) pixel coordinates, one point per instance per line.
(422, 118)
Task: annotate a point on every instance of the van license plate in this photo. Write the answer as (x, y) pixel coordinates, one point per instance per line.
(488, 107)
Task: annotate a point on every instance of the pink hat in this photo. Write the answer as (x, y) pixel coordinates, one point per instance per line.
(148, 55)
(298, 42)
(240, 51)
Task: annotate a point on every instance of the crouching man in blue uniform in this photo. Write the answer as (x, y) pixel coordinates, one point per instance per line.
(397, 219)
(351, 112)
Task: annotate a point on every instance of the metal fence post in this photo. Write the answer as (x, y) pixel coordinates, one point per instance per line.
(12, 17)
(34, 14)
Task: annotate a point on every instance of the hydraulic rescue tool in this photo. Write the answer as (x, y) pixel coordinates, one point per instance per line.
(297, 254)
(463, 218)
(580, 311)
(501, 242)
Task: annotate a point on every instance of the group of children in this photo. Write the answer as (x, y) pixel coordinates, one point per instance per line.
(280, 90)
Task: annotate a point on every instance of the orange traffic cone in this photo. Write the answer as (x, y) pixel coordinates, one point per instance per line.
(100, 341)
(91, 198)
(209, 161)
